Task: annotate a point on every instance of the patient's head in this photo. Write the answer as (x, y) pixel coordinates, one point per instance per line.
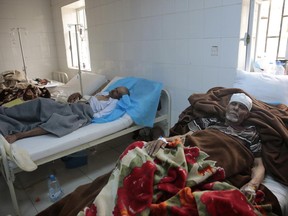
(238, 108)
(118, 92)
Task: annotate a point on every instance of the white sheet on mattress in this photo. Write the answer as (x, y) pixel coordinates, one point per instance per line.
(280, 191)
(46, 145)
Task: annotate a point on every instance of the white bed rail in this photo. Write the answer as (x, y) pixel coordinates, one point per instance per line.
(60, 76)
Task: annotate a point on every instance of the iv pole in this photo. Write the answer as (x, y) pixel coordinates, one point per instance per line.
(21, 49)
(78, 56)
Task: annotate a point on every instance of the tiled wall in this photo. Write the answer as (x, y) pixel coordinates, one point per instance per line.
(189, 45)
(167, 40)
(34, 17)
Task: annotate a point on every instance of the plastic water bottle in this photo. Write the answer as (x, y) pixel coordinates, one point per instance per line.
(55, 190)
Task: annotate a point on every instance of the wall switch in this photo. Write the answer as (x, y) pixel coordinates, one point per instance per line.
(214, 50)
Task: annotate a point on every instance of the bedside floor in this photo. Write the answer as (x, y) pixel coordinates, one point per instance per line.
(32, 189)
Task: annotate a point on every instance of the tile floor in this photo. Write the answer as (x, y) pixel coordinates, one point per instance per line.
(31, 188)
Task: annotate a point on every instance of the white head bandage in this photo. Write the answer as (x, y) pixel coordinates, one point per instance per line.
(242, 98)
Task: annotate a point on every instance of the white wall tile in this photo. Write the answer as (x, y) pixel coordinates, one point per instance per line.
(181, 5)
(182, 25)
(229, 2)
(151, 51)
(176, 26)
(181, 51)
(196, 4)
(95, 16)
(197, 24)
(132, 30)
(168, 6)
(196, 52)
(229, 49)
(211, 77)
(168, 23)
(151, 28)
(212, 22)
(230, 21)
(131, 9)
(212, 3)
(151, 7)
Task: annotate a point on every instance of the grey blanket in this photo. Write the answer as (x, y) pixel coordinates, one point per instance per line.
(56, 118)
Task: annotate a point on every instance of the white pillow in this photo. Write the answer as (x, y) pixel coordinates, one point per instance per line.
(116, 78)
(269, 88)
(90, 82)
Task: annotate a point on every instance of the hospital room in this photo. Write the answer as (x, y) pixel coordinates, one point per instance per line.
(175, 70)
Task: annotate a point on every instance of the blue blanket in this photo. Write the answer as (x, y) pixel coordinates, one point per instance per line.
(142, 103)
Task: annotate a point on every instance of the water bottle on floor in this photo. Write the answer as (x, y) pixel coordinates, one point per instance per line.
(55, 190)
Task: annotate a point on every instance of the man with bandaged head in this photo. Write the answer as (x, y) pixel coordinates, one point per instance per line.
(237, 111)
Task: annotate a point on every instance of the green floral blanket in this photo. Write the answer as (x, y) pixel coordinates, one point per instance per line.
(178, 181)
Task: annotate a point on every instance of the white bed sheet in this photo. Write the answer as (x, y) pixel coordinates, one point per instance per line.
(280, 191)
(46, 145)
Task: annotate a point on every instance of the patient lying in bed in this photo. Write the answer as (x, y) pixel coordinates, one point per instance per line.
(41, 116)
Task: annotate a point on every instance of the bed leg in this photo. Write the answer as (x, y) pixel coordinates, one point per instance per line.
(9, 177)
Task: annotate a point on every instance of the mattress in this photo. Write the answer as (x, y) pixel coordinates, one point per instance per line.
(46, 145)
(280, 191)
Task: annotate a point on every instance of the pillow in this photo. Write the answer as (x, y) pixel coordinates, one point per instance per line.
(269, 88)
(90, 82)
(115, 79)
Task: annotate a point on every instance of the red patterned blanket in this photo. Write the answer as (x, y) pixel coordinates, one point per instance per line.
(178, 181)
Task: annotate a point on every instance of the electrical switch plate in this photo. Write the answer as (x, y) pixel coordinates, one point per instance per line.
(214, 50)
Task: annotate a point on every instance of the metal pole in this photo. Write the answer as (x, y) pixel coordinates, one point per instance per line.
(22, 53)
(79, 64)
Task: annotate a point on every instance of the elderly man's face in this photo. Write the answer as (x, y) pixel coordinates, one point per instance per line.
(236, 112)
(118, 92)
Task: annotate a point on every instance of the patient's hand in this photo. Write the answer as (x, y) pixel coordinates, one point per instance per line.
(249, 191)
(153, 147)
(75, 97)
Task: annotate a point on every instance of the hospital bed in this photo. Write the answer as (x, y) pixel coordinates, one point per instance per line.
(46, 148)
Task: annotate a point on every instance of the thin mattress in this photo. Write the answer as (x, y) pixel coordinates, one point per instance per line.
(43, 146)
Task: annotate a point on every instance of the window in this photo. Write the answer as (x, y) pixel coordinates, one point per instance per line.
(76, 36)
(269, 30)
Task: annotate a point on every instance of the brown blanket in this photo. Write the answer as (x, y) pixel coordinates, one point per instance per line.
(270, 121)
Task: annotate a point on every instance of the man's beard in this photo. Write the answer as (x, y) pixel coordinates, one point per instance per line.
(232, 117)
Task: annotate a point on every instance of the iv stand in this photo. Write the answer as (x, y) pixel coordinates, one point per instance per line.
(22, 51)
(78, 56)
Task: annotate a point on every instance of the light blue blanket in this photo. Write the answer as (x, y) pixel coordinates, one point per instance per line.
(142, 103)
